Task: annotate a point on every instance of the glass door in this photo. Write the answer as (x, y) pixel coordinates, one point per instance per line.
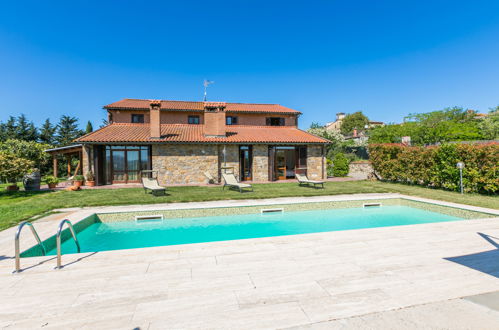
(280, 164)
(122, 164)
(118, 160)
(245, 160)
(133, 165)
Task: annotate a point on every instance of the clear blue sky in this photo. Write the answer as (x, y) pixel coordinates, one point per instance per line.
(387, 58)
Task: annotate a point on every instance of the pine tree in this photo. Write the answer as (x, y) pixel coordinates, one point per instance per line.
(25, 130)
(8, 129)
(89, 128)
(47, 132)
(67, 130)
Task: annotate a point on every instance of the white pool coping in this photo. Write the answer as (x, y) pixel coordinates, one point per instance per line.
(269, 201)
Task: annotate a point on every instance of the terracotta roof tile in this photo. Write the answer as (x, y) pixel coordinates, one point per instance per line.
(199, 106)
(181, 133)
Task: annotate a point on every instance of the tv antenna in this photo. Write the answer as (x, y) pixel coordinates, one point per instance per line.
(206, 83)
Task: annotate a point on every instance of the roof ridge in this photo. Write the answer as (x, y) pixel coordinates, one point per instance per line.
(134, 99)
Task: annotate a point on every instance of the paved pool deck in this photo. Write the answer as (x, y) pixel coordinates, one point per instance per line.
(404, 277)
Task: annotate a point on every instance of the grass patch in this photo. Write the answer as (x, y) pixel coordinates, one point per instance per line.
(21, 205)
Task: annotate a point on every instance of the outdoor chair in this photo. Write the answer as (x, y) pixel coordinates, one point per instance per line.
(303, 180)
(231, 181)
(152, 184)
(210, 178)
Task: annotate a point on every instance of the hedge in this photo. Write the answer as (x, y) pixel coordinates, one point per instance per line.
(436, 166)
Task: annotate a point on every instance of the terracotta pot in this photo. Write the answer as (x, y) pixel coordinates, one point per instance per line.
(52, 185)
(12, 187)
(90, 183)
(77, 183)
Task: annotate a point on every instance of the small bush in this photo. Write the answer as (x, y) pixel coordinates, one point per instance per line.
(340, 165)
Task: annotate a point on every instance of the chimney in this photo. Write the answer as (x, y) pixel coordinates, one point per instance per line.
(340, 116)
(155, 119)
(214, 119)
(355, 132)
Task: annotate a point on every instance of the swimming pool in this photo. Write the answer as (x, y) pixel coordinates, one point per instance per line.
(116, 235)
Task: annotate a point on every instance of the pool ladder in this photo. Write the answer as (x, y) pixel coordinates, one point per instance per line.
(16, 242)
(58, 239)
(44, 251)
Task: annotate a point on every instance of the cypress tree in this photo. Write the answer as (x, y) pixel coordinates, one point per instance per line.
(89, 128)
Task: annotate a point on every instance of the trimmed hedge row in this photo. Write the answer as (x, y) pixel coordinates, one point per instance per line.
(436, 166)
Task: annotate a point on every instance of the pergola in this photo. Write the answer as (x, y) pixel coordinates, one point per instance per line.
(69, 152)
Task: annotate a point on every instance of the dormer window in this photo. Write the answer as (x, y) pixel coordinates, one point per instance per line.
(137, 119)
(231, 120)
(194, 120)
(275, 121)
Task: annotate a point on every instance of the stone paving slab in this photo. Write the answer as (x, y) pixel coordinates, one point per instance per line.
(456, 314)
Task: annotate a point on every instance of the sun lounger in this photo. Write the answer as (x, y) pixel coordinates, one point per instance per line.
(152, 184)
(231, 181)
(303, 180)
(210, 177)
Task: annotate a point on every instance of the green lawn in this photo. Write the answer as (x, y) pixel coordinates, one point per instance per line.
(18, 206)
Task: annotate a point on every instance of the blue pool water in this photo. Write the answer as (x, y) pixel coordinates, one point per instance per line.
(129, 234)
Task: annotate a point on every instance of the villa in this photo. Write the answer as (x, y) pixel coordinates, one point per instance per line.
(340, 116)
(187, 142)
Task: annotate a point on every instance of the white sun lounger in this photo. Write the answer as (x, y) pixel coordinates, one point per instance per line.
(231, 181)
(152, 184)
(303, 180)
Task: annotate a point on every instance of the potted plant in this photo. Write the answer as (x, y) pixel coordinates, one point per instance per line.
(52, 181)
(12, 168)
(78, 180)
(90, 179)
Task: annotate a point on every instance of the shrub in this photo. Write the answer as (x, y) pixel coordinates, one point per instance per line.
(29, 150)
(436, 166)
(340, 165)
(13, 167)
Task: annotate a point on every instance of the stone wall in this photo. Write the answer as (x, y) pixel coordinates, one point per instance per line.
(360, 170)
(260, 163)
(184, 163)
(87, 160)
(316, 164)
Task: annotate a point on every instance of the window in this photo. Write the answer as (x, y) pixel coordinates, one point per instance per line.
(231, 120)
(193, 120)
(137, 119)
(275, 121)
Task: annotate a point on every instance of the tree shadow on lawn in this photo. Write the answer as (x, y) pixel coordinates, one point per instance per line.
(485, 262)
(13, 195)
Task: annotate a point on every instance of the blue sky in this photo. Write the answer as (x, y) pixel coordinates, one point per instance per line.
(386, 58)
